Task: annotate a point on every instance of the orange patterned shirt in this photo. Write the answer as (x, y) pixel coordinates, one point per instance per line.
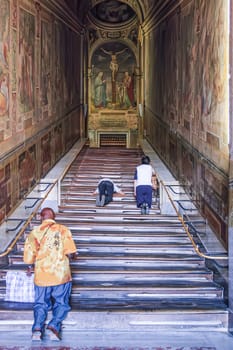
(48, 246)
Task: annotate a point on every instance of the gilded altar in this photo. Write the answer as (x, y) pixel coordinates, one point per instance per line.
(113, 123)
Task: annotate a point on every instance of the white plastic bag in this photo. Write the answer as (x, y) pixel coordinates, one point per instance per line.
(20, 287)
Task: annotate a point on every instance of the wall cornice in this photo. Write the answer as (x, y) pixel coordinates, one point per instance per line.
(63, 12)
(161, 12)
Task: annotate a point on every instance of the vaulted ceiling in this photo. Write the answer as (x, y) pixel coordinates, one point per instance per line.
(116, 25)
(113, 12)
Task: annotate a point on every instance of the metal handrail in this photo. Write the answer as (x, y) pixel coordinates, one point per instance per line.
(27, 222)
(21, 221)
(182, 206)
(36, 200)
(196, 247)
(34, 212)
(173, 190)
(46, 187)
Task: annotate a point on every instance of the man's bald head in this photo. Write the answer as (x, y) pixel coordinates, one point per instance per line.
(47, 213)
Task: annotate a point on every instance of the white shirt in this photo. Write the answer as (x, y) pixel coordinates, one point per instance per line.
(115, 187)
(143, 175)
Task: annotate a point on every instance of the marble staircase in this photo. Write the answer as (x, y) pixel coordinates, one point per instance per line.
(132, 272)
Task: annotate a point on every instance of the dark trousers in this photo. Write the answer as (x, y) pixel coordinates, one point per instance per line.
(106, 188)
(144, 195)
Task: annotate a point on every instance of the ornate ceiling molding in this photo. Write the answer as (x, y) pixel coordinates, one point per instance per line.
(133, 4)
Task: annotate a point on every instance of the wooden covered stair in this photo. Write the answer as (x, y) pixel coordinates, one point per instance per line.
(132, 271)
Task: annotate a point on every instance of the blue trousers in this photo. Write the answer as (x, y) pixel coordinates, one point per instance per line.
(55, 298)
(144, 195)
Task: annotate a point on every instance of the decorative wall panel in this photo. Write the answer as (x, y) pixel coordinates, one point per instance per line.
(27, 170)
(187, 59)
(40, 83)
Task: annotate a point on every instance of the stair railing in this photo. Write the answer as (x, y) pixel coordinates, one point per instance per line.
(195, 245)
(38, 202)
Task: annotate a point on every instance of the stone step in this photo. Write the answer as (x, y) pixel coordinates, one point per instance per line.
(124, 248)
(126, 238)
(107, 275)
(140, 228)
(117, 262)
(132, 271)
(71, 218)
(177, 317)
(115, 209)
(141, 276)
(129, 293)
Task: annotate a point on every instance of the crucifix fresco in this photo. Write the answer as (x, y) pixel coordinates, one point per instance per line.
(114, 67)
(113, 85)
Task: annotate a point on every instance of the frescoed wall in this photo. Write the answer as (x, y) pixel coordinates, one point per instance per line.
(39, 94)
(189, 51)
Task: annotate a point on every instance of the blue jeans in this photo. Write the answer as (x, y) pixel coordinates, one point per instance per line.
(55, 298)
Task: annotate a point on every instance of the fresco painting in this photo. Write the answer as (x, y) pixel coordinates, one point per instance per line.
(171, 71)
(45, 63)
(57, 73)
(58, 142)
(5, 185)
(32, 59)
(45, 153)
(4, 57)
(14, 13)
(75, 72)
(188, 56)
(113, 77)
(26, 61)
(212, 49)
(27, 170)
(14, 61)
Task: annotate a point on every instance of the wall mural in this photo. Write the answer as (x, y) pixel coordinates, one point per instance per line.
(46, 154)
(45, 63)
(113, 77)
(4, 57)
(26, 61)
(189, 59)
(58, 147)
(5, 198)
(66, 89)
(37, 52)
(27, 170)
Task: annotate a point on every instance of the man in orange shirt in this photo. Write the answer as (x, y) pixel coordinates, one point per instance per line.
(48, 246)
